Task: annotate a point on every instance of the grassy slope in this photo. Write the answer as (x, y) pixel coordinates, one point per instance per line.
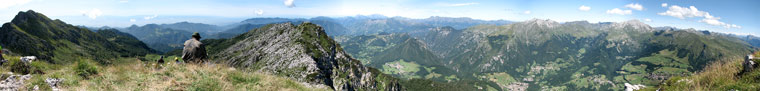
(34, 34)
(132, 74)
(720, 75)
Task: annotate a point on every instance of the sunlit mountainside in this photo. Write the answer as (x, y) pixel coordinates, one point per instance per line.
(420, 45)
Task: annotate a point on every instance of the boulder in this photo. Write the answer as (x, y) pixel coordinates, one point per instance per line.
(54, 83)
(13, 82)
(28, 59)
(748, 64)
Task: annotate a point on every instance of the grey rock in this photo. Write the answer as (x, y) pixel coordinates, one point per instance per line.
(13, 82)
(748, 64)
(28, 59)
(54, 83)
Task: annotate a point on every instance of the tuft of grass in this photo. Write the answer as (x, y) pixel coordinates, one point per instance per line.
(240, 78)
(85, 69)
(205, 83)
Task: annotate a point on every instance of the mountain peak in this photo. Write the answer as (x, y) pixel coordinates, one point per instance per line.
(32, 33)
(29, 14)
(578, 22)
(540, 22)
(634, 21)
(635, 24)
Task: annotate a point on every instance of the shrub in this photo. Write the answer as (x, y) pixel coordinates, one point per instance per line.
(19, 67)
(85, 69)
(35, 67)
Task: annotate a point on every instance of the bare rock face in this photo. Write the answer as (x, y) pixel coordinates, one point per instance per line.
(194, 51)
(306, 54)
(13, 82)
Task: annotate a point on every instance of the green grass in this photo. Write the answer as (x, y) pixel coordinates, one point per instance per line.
(631, 69)
(431, 73)
(502, 79)
(667, 58)
(403, 68)
(85, 69)
(451, 78)
(132, 74)
(720, 75)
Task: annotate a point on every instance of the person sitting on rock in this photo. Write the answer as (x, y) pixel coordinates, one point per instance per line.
(194, 51)
(161, 60)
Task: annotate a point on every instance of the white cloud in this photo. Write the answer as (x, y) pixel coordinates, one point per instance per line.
(259, 12)
(739, 33)
(714, 21)
(584, 8)
(683, 13)
(648, 20)
(132, 20)
(526, 12)
(123, 1)
(664, 5)
(289, 3)
(8, 3)
(635, 6)
(619, 11)
(94, 13)
(461, 4)
(150, 17)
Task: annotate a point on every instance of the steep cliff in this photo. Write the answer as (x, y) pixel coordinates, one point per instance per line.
(304, 53)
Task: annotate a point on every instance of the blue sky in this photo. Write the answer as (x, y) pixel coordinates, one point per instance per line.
(734, 16)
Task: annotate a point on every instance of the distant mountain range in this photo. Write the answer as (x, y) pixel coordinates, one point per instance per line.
(544, 54)
(502, 55)
(395, 53)
(167, 37)
(33, 34)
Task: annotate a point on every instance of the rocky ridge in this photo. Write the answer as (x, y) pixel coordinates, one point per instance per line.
(304, 53)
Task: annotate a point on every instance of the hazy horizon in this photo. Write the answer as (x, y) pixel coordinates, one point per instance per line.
(717, 16)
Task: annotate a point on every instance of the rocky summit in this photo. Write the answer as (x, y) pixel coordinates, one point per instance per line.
(303, 52)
